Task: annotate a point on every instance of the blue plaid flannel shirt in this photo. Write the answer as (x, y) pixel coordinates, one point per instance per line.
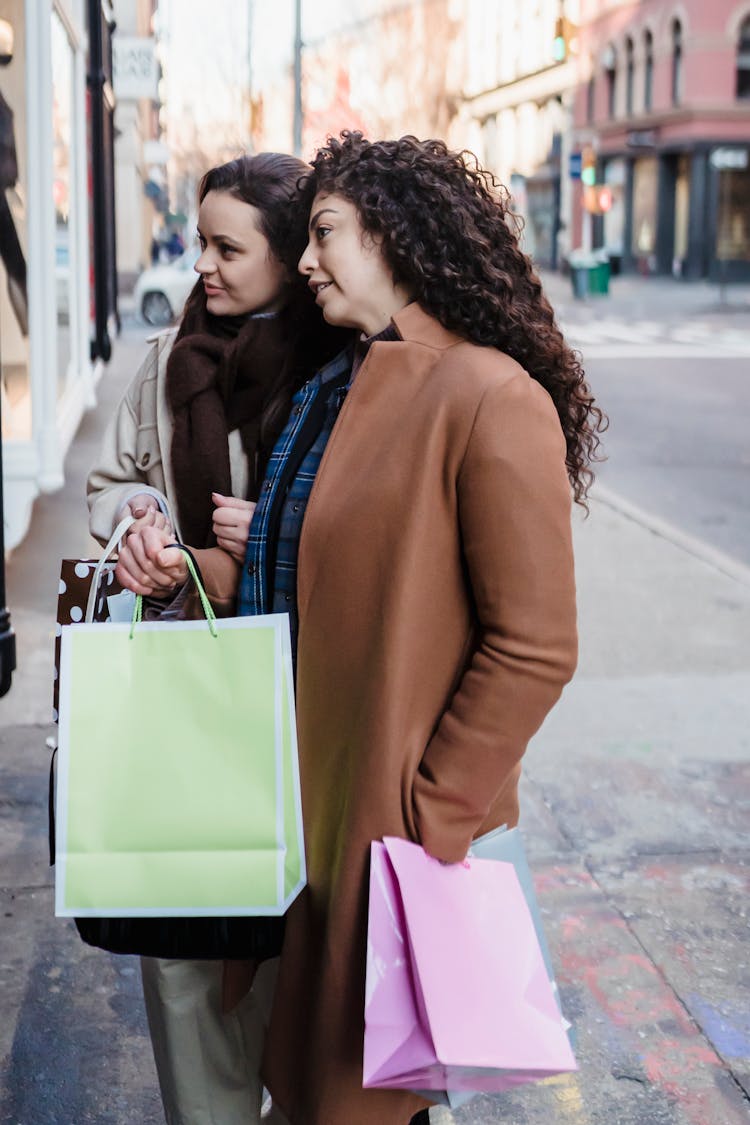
(260, 590)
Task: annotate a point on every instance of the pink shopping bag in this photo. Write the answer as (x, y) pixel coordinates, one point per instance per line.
(457, 993)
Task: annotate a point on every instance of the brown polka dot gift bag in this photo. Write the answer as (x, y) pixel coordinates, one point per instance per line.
(80, 599)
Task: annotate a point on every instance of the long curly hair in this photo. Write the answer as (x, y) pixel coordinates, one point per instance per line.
(270, 182)
(447, 232)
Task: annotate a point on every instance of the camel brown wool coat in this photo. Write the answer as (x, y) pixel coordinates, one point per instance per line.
(437, 629)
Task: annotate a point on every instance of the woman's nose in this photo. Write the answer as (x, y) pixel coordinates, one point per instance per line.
(308, 261)
(204, 264)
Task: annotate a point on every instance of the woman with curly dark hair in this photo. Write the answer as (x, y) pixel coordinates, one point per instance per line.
(434, 570)
(414, 522)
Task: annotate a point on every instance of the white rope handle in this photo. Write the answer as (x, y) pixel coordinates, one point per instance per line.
(96, 578)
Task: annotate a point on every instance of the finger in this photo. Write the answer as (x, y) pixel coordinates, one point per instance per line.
(230, 517)
(129, 580)
(231, 502)
(172, 559)
(141, 504)
(153, 539)
(227, 543)
(140, 558)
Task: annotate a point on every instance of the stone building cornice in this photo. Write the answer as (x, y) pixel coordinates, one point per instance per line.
(538, 86)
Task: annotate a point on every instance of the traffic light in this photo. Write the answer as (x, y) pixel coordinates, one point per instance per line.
(588, 166)
(604, 199)
(559, 46)
(565, 42)
(597, 199)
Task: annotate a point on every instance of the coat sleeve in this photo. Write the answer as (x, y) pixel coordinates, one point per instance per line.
(116, 476)
(514, 505)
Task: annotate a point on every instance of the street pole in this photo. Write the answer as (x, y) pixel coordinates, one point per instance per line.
(7, 636)
(297, 133)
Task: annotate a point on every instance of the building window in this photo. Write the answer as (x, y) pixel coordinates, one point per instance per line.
(629, 76)
(610, 72)
(648, 71)
(676, 62)
(644, 202)
(733, 235)
(590, 99)
(743, 60)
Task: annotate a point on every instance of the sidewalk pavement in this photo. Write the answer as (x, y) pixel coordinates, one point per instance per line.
(661, 298)
(635, 816)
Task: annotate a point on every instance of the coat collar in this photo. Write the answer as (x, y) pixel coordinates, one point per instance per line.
(417, 326)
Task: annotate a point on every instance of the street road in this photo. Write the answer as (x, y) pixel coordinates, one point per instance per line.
(678, 445)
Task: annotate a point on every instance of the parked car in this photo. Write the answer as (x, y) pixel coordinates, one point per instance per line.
(161, 291)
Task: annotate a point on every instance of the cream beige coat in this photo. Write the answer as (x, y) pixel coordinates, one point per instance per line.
(134, 458)
(437, 629)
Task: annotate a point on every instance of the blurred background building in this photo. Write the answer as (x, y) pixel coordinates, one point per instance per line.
(622, 125)
(52, 110)
(663, 98)
(140, 153)
(515, 110)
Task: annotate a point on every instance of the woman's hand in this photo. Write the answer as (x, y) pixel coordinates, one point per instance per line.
(148, 566)
(231, 524)
(146, 512)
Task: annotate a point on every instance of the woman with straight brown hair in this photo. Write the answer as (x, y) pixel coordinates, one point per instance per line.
(185, 454)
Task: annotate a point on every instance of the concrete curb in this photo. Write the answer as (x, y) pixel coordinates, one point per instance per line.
(724, 564)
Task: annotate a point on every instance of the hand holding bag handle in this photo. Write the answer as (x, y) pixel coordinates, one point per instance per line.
(203, 596)
(112, 545)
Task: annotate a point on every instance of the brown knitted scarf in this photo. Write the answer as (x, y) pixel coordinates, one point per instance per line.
(218, 380)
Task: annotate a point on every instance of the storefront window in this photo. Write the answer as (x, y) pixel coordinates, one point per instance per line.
(681, 215)
(645, 190)
(733, 242)
(62, 114)
(614, 219)
(15, 385)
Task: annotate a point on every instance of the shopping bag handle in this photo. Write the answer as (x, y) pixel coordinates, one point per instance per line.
(205, 603)
(109, 550)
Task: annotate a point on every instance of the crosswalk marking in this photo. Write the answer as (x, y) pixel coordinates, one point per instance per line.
(611, 338)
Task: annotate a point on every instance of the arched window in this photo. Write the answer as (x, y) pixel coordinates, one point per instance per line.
(743, 60)
(676, 62)
(629, 76)
(610, 73)
(648, 70)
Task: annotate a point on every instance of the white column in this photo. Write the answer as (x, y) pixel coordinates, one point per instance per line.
(41, 236)
(79, 214)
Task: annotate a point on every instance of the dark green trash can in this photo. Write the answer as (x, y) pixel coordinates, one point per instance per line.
(599, 279)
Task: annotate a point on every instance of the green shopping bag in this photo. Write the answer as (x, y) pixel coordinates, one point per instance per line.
(178, 782)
